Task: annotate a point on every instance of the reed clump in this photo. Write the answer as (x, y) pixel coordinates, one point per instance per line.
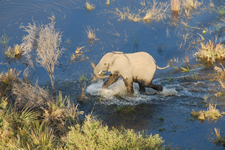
(210, 51)
(212, 113)
(175, 5)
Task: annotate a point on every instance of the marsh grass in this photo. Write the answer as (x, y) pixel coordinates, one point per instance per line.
(78, 52)
(89, 6)
(9, 77)
(125, 109)
(91, 35)
(185, 69)
(15, 52)
(4, 40)
(219, 139)
(151, 11)
(211, 52)
(94, 135)
(220, 10)
(157, 11)
(175, 5)
(191, 4)
(211, 114)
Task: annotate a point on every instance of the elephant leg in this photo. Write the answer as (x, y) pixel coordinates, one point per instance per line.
(129, 85)
(156, 87)
(112, 79)
(141, 88)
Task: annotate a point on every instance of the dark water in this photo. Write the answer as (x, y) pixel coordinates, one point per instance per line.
(164, 40)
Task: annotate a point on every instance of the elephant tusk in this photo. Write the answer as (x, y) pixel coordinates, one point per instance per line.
(100, 72)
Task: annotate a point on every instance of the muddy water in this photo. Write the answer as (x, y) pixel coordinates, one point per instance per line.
(166, 113)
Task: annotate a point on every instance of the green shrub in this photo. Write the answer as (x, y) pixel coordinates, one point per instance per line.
(93, 135)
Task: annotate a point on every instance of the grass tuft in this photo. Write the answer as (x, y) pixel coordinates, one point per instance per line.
(91, 34)
(175, 5)
(191, 4)
(212, 113)
(211, 52)
(156, 12)
(89, 6)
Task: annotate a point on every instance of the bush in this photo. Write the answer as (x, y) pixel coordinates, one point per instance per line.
(93, 135)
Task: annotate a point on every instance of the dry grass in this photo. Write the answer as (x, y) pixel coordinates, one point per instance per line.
(77, 53)
(45, 41)
(156, 12)
(91, 34)
(212, 113)
(211, 52)
(175, 5)
(191, 4)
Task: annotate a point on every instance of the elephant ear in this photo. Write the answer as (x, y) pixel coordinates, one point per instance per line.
(120, 63)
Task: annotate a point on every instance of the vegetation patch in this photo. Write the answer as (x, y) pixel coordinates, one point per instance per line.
(211, 52)
(212, 113)
(94, 135)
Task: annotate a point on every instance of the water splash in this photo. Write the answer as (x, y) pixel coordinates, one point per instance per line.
(116, 93)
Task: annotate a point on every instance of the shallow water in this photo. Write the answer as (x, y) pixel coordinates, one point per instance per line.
(164, 40)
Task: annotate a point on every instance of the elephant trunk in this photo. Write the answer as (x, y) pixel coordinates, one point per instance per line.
(99, 74)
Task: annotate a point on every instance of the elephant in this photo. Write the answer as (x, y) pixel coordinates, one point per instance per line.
(136, 67)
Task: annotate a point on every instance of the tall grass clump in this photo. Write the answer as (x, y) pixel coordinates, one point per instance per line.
(91, 34)
(212, 113)
(210, 51)
(191, 4)
(45, 41)
(89, 6)
(175, 5)
(93, 135)
(158, 11)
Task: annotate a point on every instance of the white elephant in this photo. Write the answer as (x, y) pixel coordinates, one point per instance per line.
(137, 67)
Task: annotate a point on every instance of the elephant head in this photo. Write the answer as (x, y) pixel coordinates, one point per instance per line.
(114, 62)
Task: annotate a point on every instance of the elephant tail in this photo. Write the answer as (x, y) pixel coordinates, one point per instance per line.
(168, 65)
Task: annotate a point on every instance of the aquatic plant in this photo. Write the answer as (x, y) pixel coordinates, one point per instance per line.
(89, 6)
(220, 10)
(191, 4)
(15, 52)
(4, 40)
(211, 52)
(91, 34)
(125, 109)
(10, 76)
(212, 113)
(185, 69)
(83, 78)
(219, 139)
(175, 5)
(77, 53)
(93, 135)
(45, 41)
(158, 11)
(107, 2)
